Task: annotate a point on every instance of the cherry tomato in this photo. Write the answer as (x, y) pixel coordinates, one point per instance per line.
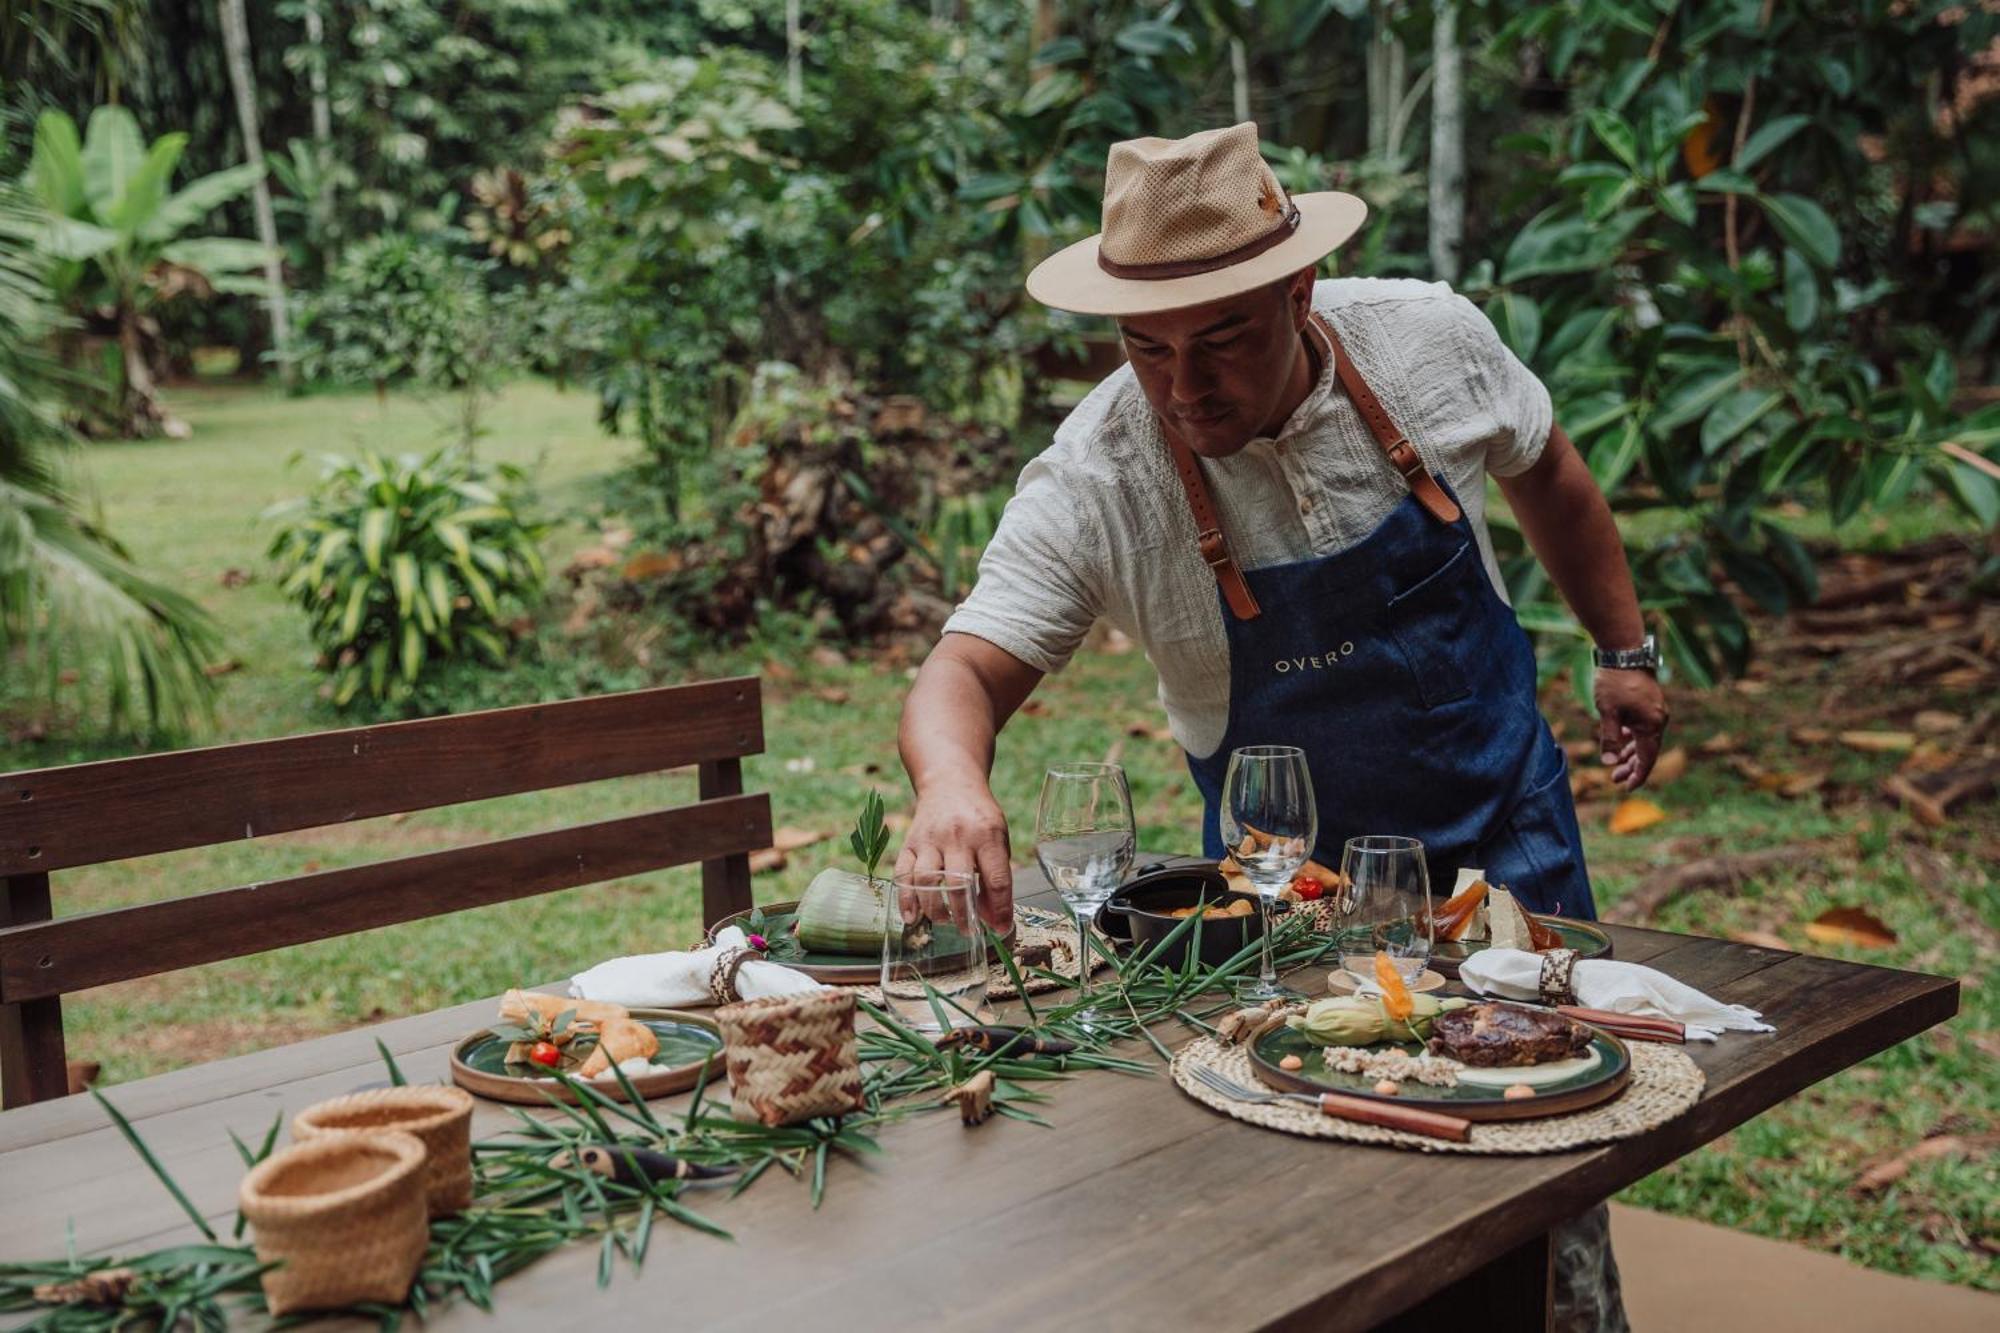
(1308, 888)
(545, 1053)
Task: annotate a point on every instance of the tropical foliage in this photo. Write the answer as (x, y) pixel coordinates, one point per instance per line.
(407, 566)
(73, 609)
(120, 238)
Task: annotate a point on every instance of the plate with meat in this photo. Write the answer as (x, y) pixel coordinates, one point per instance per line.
(1479, 1060)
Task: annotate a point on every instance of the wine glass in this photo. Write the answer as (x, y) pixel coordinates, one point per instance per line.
(1389, 907)
(1084, 842)
(1269, 821)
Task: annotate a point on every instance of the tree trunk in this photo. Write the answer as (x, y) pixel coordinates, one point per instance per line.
(1386, 80)
(1447, 174)
(794, 53)
(1239, 75)
(236, 42)
(322, 124)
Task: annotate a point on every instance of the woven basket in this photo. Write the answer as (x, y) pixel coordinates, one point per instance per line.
(792, 1057)
(441, 1117)
(343, 1217)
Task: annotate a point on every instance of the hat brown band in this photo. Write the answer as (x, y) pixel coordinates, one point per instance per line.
(1184, 268)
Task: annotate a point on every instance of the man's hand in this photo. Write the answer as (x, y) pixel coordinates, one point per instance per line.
(962, 828)
(1631, 719)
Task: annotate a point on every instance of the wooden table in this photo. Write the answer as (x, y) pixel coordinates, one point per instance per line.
(1141, 1209)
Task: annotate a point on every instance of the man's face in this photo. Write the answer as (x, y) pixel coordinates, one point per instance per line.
(1216, 374)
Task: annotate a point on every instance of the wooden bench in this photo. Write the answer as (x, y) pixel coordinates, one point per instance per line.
(85, 814)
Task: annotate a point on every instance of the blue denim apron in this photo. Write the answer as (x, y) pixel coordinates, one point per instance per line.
(1410, 685)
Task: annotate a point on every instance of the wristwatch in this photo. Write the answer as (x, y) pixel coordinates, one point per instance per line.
(1646, 657)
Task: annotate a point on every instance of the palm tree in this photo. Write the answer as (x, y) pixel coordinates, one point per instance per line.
(70, 598)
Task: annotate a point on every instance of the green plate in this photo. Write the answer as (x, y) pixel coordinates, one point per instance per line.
(687, 1042)
(1588, 941)
(844, 968)
(1588, 1087)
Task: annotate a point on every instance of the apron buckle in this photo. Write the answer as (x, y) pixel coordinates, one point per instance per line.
(1404, 458)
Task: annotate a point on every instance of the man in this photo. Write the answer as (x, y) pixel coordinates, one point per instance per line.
(1281, 500)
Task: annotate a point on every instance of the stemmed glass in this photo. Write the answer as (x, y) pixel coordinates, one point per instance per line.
(1389, 907)
(1269, 821)
(1084, 841)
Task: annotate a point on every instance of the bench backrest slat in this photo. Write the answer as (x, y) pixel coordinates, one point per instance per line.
(94, 948)
(56, 819)
(84, 814)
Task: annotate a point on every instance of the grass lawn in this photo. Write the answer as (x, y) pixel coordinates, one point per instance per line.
(188, 510)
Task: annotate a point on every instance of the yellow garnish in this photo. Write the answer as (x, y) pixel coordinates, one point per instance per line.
(1396, 1001)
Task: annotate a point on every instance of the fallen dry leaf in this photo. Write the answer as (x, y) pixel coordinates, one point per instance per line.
(1850, 925)
(1585, 780)
(778, 671)
(1928, 757)
(1888, 1171)
(828, 657)
(1151, 731)
(1581, 749)
(1763, 939)
(1784, 782)
(1752, 687)
(1878, 742)
(1963, 678)
(1720, 743)
(768, 859)
(1035, 708)
(831, 694)
(1669, 766)
(222, 668)
(652, 565)
(234, 578)
(1811, 735)
(1635, 814)
(1937, 722)
(790, 839)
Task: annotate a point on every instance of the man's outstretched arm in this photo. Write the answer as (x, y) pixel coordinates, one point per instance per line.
(964, 694)
(1567, 520)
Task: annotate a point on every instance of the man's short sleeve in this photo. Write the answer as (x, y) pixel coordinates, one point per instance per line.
(1518, 400)
(1037, 594)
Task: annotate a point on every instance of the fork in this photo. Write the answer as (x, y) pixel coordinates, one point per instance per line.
(1410, 1119)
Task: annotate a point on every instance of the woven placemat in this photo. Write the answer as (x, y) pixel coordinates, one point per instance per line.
(1061, 943)
(1665, 1082)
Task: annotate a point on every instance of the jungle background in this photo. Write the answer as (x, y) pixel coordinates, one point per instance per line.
(396, 357)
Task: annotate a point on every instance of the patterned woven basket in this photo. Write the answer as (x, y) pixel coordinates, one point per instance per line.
(441, 1117)
(343, 1217)
(792, 1057)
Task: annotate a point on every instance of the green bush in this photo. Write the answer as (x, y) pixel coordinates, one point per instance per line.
(406, 567)
(395, 309)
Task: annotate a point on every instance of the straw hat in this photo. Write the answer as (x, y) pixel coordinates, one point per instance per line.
(1189, 221)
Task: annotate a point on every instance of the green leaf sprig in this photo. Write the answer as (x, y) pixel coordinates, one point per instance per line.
(870, 838)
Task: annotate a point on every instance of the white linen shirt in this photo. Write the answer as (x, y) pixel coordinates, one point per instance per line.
(1099, 525)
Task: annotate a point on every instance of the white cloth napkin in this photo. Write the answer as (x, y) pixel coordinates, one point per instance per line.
(678, 980)
(1621, 988)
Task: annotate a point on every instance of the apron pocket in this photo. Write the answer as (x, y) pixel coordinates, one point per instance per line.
(1436, 628)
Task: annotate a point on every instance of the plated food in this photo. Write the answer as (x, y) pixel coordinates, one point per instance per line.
(1482, 916)
(541, 1037)
(1479, 1060)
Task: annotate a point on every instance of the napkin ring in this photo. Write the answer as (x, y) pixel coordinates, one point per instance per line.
(1554, 985)
(722, 973)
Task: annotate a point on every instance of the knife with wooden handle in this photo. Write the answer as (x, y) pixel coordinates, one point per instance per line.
(1409, 1119)
(1640, 1027)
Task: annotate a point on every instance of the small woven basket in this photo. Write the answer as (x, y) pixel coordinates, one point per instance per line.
(441, 1117)
(792, 1057)
(342, 1215)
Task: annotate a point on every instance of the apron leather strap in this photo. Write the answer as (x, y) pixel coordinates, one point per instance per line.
(1402, 455)
(1208, 526)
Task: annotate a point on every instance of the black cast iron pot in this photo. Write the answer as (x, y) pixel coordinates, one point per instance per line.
(1137, 915)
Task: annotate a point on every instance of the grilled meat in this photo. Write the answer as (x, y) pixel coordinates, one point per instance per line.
(1507, 1034)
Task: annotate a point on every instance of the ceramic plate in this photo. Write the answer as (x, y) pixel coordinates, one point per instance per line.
(687, 1041)
(1599, 1083)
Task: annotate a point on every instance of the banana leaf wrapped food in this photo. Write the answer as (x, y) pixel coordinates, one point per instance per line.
(845, 912)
